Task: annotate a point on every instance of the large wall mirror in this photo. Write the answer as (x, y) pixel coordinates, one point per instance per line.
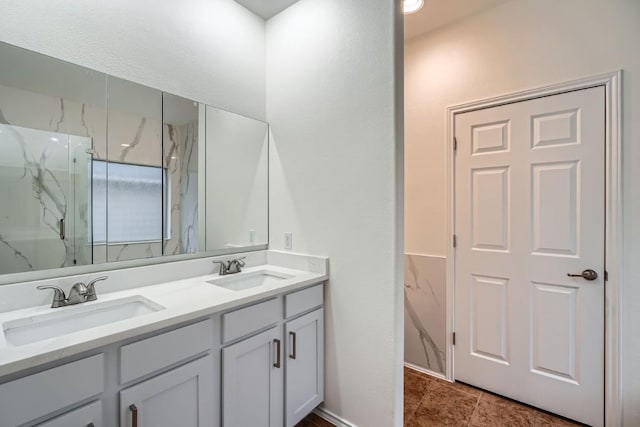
(95, 169)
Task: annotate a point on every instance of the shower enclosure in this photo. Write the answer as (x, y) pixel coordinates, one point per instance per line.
(45, 199)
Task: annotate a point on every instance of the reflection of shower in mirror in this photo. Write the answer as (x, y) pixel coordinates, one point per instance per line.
(97, 169)
(46, 209)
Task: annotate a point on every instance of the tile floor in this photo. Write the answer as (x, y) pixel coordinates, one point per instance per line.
(314, 421)
(431, 402)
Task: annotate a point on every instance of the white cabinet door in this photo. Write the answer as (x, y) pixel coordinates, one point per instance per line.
(87, 416)
(252, 384)
(181, 397)
(305, 366)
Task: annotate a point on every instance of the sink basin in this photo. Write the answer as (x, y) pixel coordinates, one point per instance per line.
(254, 279)
(67, 320)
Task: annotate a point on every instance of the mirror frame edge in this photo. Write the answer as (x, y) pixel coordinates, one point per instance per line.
(32, 276)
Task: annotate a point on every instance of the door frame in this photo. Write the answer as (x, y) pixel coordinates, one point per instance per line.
(612, 83)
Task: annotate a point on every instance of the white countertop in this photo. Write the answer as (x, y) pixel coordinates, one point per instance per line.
(183, 300)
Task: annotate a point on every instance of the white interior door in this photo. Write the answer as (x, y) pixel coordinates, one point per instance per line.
(529, 209)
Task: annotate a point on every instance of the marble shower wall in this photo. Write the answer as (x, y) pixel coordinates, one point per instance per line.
(181, 161)
(425, 316)
(134, 137)
(42, 173)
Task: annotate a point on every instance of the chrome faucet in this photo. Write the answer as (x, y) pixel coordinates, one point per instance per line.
(78, 294)
(231, 266)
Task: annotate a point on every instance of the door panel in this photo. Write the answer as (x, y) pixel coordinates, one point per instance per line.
(490, 137)
(529, 203)
(489, 318)
(490, 211)
(555, 128)
(555, 208)
(554, 340)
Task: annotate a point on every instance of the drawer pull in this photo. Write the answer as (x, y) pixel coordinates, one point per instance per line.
(277, 363)
(293, 345)
(134, 415)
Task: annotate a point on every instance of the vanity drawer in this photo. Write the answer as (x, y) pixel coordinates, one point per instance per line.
(87, 415)
(304, 300)
(153, 354)
(239, 323)
(37, 395)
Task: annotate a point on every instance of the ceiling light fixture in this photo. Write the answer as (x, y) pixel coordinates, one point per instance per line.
(412, 6)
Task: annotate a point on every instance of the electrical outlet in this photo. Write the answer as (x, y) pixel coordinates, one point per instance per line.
(288, 240)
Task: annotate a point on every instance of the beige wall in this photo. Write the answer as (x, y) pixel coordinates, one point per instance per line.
(519, 45)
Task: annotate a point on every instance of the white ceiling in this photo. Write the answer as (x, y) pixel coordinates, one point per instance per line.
(437, 13)
(266, 8)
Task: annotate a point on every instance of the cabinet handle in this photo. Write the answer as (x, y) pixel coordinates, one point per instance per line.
(134, 415)
(293, 345)
(61, 229)
(277, 364)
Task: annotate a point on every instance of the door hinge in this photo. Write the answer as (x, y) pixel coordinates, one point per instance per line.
(455, 144)
(455, 241)
(453, 338)
(606, 276)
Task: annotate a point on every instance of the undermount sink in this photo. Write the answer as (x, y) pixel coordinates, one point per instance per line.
(67, 320)
(254, 279)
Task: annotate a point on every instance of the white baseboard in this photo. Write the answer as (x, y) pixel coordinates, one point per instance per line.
(425, 371)
(426, 255)
(332, 418)
(341, 422)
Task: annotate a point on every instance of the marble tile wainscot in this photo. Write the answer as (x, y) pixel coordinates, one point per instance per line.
(425, 317)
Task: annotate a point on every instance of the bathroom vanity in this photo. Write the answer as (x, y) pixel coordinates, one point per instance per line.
(239, 350)
(147, 188)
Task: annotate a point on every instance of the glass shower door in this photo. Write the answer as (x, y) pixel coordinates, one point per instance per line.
(43, 200)
(81, 197)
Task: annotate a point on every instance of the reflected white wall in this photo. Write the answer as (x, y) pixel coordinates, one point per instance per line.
(237, 193)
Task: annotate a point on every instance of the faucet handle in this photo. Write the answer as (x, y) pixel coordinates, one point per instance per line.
(224, 267)
(90, 294)
(59, 298)
(235, 265)
(77, 294)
